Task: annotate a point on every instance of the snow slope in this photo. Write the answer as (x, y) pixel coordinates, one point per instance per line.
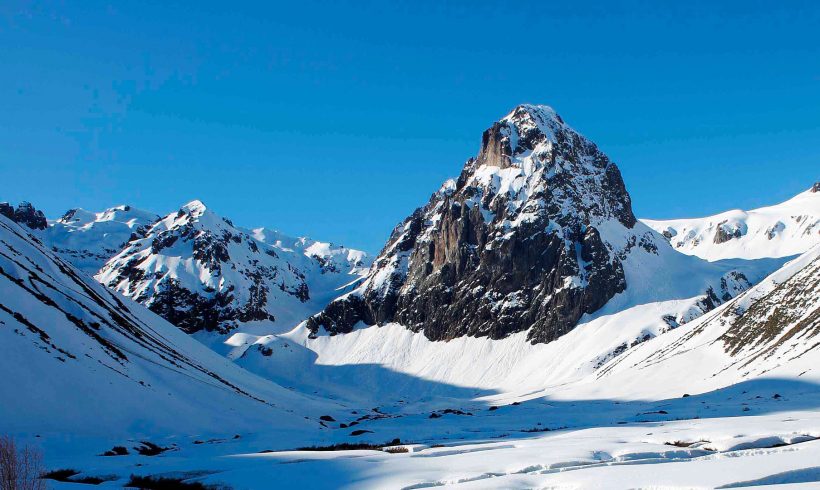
(782, 230)
(773, 329)
(78, 359)
(679, 411)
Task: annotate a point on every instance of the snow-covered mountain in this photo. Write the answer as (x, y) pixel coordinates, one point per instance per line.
(536, 233)
(83, 238)
(782, 230)
(87, 240)
(76, 358)
(202, 273)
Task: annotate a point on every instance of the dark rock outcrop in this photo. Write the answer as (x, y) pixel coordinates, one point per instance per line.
(725, 232)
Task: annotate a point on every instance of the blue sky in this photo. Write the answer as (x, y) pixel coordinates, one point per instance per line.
(337, 119)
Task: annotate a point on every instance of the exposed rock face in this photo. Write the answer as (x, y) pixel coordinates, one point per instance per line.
(530, 237)
(7, 210)
(25, 214)
(202, 273)
(816, 187)
(727, 231)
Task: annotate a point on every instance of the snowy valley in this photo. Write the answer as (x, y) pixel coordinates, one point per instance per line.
(521, 329)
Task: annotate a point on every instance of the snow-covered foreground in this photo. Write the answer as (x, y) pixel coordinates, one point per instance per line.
(758, 432)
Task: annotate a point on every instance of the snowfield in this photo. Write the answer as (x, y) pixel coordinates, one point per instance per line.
(700, 441)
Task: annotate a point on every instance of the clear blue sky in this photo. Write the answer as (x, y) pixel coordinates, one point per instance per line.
(337, 119)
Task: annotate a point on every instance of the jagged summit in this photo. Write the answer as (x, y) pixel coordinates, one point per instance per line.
(534, 114)
(25, 214)
(533, 157)
(527, 128)
(195, 208)
(538, 121)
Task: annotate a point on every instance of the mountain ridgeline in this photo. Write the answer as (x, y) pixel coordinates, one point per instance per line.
(531, 236)
(196, 269)
(202, 273)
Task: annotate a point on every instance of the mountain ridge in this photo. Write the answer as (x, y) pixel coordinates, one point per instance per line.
(534, 234)
(204, 274)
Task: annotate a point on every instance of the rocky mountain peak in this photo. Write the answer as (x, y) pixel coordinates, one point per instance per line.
(534, 124)
(532, 159)
(25, 214)
(526, 128)
(527, 238)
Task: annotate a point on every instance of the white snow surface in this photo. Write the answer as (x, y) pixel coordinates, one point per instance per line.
(781, 230)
